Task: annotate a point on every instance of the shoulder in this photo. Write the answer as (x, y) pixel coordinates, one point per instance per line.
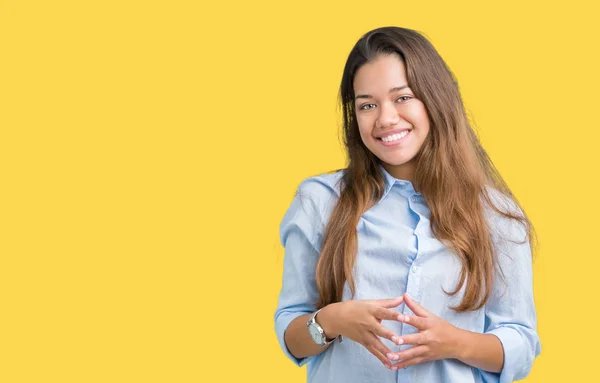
(312, 205)
(504, 227)
(501, 201)
(321, 189)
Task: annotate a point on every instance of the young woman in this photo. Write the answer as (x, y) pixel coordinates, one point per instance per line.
(412, 264)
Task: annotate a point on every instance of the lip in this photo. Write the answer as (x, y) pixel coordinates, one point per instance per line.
(392, 132)
(397, 142)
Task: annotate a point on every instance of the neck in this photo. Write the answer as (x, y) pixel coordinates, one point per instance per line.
(402, 172)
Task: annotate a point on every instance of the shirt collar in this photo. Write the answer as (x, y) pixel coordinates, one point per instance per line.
(405, 186)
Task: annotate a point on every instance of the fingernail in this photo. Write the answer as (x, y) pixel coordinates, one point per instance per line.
(395, 339)
(407, 318)
(394, 368)
(400, 341)
(400, 317)
(389, 355)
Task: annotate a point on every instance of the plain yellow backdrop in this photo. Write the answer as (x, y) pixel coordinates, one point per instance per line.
(149, 150)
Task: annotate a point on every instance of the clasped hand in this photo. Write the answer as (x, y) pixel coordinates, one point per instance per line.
(436, 338)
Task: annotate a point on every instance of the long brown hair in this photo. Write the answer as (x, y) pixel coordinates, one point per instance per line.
(453, 173)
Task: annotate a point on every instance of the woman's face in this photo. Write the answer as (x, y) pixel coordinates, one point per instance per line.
(393, 123)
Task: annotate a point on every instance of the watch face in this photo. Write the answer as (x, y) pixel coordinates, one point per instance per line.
(315, 334)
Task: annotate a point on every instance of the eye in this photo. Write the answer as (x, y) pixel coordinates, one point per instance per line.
(371, 106)
(363, 107)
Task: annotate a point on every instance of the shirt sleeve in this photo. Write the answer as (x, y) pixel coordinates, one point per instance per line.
(510, 312)
(301, 235)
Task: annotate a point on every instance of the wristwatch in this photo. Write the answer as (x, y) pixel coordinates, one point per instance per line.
(316, 331)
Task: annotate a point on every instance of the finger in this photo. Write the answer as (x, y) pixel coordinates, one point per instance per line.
(386, 333)
(390, 302)
(415, 307)
(387, 314)
(411, 353)
(417, 322)
(410, 362)
(372, 339)
(383, 349)
(418, 338)
(373, 350)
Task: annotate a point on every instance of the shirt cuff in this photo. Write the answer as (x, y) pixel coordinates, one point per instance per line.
(281, 324)
(512, 348)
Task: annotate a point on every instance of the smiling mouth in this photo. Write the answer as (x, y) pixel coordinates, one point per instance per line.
(394, 138)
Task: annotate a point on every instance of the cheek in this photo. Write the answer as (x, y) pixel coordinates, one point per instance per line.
(364, 130)
(421, 117)
(419, 120)
(425, 125)
(364, 138)
(422, 122)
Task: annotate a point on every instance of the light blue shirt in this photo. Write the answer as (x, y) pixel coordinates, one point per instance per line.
(397, 253)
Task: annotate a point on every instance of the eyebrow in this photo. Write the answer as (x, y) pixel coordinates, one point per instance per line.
(395, 89)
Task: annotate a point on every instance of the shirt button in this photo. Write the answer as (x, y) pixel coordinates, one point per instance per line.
(414, 199)
(415, 268)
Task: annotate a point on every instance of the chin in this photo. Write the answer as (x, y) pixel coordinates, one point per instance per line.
(396, 161)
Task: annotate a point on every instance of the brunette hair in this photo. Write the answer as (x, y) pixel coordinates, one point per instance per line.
(453, 173)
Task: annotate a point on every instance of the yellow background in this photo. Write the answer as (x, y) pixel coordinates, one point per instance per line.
(149, 150)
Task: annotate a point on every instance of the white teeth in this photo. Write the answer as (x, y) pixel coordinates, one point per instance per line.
(394, 137)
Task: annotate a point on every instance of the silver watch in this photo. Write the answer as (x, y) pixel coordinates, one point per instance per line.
(316, 331)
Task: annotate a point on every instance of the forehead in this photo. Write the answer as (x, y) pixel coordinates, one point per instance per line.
(380, 74)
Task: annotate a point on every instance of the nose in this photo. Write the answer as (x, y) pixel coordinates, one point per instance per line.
(388, 115)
